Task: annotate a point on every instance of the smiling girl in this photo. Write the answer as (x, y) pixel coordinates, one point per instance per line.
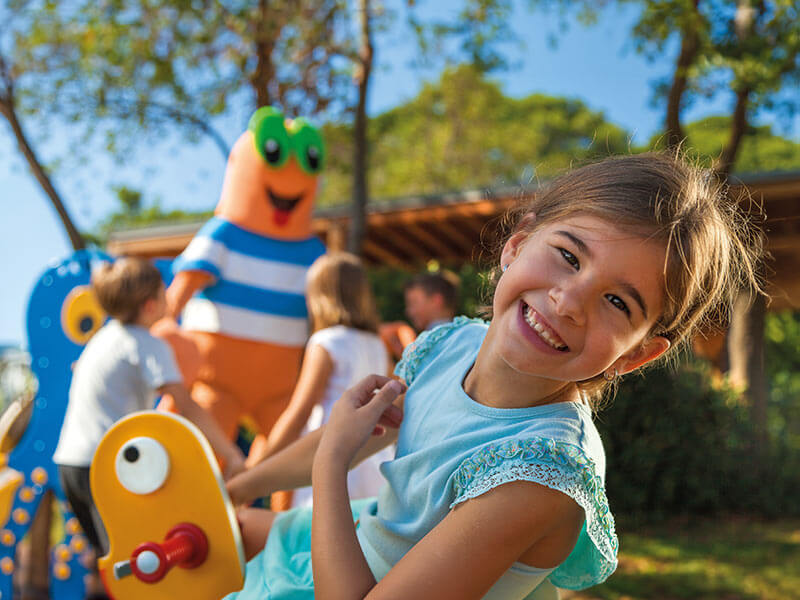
(497, 487)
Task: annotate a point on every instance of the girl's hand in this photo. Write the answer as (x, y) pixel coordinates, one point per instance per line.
(363, 410)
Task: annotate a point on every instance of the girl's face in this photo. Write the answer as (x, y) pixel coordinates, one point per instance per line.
(578, 298)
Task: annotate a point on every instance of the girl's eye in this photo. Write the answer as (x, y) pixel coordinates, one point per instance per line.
(570, 258)
(618, 303)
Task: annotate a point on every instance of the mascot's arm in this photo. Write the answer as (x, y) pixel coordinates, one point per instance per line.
(183, 287)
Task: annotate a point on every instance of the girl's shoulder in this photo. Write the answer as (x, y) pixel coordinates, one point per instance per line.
(460, 331)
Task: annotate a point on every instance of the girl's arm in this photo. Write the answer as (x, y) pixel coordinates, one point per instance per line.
(309, 391)
(183, 287)
(460, 558)
(479, 540)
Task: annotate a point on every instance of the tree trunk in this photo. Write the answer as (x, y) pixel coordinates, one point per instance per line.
(690, 45)
(360, 142)
(8, 111)
(265, 44)
(739, 125)
(746, 355)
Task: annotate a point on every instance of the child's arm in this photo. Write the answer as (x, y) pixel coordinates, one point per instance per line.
(228, 451)
(291, 467)
(183, 287)
(309, 391)
(461, 557)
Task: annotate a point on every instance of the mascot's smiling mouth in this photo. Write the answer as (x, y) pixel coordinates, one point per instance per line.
(283, 206)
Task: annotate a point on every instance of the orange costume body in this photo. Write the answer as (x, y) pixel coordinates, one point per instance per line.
(240, 284)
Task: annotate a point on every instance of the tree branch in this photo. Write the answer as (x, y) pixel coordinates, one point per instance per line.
(7, 109)
(690, 46)
(739, 124)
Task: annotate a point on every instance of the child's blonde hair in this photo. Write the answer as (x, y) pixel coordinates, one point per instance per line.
(714, 252)
(338, 293)
(122, 287)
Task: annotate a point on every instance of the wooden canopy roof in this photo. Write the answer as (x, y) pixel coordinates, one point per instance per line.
(455, 228)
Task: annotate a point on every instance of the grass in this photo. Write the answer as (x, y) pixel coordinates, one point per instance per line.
(730, 559)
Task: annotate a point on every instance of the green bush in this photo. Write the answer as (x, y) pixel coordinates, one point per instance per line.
(677, 443)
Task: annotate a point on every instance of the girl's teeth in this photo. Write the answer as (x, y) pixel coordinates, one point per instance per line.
(540, 329)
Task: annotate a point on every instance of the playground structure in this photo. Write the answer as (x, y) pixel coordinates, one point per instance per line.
(172, 529)
(62, 315)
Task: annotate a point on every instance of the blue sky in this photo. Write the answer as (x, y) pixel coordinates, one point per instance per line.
(596, 64)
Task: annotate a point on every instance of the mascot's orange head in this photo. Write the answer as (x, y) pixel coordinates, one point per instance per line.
(271, 178)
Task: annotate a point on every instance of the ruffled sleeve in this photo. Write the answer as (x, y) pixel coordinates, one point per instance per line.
(560, 466)
(420, 350)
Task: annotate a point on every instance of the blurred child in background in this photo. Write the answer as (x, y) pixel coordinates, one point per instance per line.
(120, 371)
(344, 348)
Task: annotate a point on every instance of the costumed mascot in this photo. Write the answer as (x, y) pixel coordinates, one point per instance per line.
(240, 283)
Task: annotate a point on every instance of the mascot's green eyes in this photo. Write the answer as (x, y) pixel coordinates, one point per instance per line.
(272, 139)
(274, 142)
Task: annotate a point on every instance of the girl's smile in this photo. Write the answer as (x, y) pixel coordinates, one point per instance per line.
(539, 331)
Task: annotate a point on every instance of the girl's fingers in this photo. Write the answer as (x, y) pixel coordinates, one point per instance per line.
(392, 416)
(384, 397)
(362, 391)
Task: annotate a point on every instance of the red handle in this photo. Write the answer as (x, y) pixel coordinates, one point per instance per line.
(185, 546)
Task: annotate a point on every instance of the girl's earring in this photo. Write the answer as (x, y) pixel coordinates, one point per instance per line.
(608, 376)
(505, 268)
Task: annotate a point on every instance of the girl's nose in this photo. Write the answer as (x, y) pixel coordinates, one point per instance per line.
(568, 302)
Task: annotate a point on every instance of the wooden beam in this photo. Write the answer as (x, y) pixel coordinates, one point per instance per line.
(458, 237)
(400, 240)
(168, 246)
(438, 246)
(383, 255)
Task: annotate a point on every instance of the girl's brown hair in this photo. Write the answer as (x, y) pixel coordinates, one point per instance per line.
(714, 250)
(338, 293)
(122, 287)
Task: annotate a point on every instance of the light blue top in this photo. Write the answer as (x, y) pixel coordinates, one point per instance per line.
(451, 449)
(258, 287)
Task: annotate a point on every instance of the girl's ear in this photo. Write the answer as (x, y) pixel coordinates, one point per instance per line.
(649, 350)
(516, 241)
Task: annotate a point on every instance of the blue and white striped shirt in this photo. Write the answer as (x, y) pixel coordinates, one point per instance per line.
(259, 284)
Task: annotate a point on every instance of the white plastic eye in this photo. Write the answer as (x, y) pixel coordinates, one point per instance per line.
(142, 465)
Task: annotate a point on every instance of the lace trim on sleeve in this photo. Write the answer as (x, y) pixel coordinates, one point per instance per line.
(417, 350)
(559, 466)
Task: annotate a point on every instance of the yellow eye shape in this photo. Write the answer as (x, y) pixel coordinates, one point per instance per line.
(81, 315)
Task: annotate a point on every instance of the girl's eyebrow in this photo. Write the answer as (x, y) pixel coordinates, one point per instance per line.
(634, 293)
(577, 241)
(629, 288)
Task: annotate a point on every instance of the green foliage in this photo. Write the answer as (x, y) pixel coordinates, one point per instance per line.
(761, 150)
(478, 28)
(463, 132)
(679, 444)
(127, 69)
(132, 215)
(750, 45)
(782, 335)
